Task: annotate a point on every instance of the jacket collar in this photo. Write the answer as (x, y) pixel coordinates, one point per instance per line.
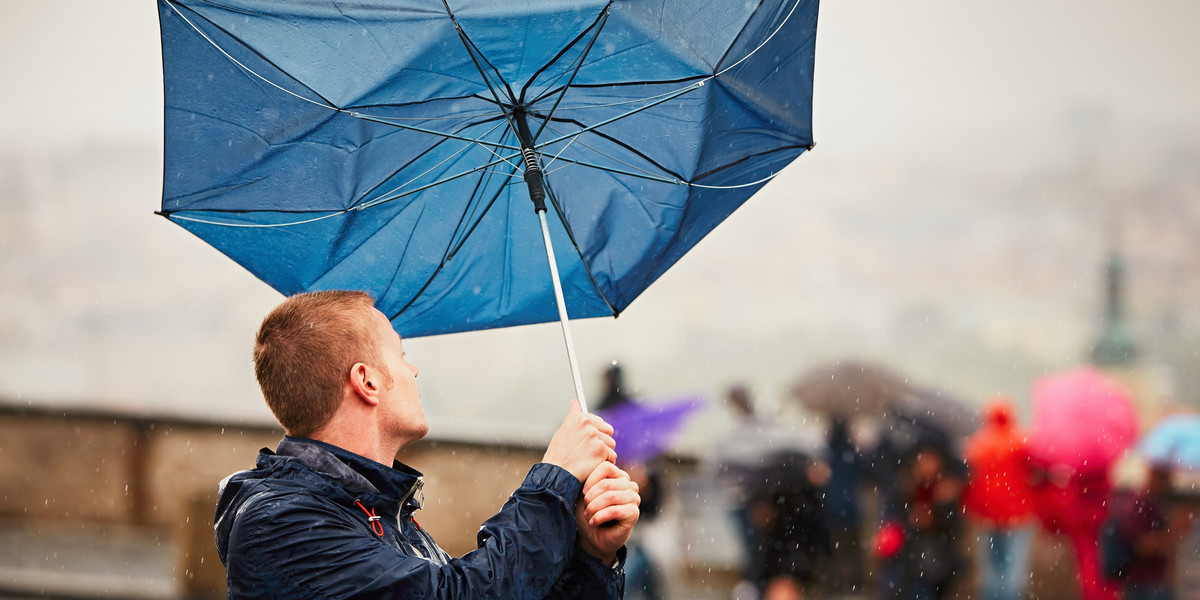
(357, 474)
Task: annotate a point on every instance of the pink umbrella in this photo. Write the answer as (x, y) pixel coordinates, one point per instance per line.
(1081, 418)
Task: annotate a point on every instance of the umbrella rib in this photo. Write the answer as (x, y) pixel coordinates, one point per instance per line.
(702, 78)
(578, 252)
(630, 113)
(598, 26)
(744, 159)
(602, 16)
(761, 44)
(451, 251)
(175, 215)
(699, 79)
(451, 136)
(583, 163)
(618, 142)
(476, 56)
(641, 82)
(477, 169)
(430, 169)
(325, 101)
(464, 115)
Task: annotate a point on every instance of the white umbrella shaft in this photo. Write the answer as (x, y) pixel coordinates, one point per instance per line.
(562, 312)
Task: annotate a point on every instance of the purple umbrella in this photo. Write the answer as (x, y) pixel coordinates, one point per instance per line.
(643, 430)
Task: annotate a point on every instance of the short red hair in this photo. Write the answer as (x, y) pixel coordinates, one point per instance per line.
(304, 351)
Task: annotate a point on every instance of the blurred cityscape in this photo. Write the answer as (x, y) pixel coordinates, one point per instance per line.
(970, 285)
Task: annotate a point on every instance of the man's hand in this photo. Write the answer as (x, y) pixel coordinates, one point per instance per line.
(606, 513)
(582, 442)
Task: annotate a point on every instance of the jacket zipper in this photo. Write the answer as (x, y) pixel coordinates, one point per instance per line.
(416, 490)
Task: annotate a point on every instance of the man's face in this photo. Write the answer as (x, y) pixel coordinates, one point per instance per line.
(401, 401)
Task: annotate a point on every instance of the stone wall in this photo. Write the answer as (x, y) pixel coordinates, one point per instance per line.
(158, 473)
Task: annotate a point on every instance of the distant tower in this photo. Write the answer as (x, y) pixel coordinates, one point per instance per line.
(1115, 347)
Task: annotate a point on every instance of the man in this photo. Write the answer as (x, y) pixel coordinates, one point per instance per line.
(329, 513)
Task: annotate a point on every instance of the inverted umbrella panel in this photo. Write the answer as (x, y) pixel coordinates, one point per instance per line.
(382, 145)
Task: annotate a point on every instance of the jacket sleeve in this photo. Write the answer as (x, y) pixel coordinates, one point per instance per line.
(586, 578)
(297, 546)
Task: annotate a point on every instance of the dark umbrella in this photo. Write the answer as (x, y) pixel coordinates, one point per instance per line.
(393, 146)
(850, 388)
(939, 410)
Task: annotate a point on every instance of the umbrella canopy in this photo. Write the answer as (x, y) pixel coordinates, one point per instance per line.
(1173, 441)
(384, 145)
(643, 431)
(848, 388)
(1082, 419)
(940, 410)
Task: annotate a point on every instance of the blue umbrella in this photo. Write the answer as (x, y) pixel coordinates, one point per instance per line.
(1173, 441)
(393, 146)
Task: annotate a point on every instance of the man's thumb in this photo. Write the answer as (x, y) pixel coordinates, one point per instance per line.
(575, 407)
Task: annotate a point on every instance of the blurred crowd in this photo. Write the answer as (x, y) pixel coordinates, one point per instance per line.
(904, 494)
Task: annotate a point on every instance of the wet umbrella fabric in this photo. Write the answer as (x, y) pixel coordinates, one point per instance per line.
(378, 145)
(939, 410)
(1174, 441)
(850, 388)
(1082, 419)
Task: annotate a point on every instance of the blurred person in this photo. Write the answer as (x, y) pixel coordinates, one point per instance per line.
(1074, 503)
(1152, 531)
(788, 523)
(842, 507)
(1187, 566)
(998, 498)
(330, 512)
(642, 579)
(923, 560)
(739, 457)
(615, 391)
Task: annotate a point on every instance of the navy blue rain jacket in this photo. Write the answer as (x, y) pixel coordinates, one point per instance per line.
(300, 526)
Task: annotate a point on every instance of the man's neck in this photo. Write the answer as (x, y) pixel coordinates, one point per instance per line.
(363, 441)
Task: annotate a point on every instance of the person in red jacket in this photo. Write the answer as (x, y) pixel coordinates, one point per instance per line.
(999, 498)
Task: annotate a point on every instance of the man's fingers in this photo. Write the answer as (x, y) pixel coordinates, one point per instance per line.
(607, 498)
(606, 439)
(600, 424)
(621, 513)
(611, 498)
(607, 478)
(602, 471)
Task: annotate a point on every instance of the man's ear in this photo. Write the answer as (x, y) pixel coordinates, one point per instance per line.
(366, 382)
